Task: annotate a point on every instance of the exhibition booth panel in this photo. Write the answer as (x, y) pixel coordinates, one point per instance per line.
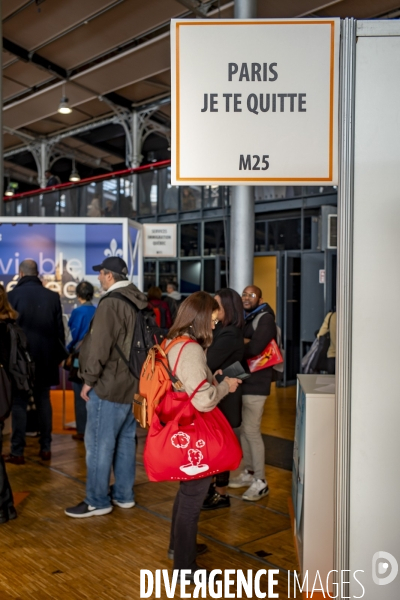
(66, 251)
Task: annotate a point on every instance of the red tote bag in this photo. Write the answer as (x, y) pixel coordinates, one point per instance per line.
(184, 443)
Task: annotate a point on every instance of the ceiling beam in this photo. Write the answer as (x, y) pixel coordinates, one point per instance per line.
(34, 58)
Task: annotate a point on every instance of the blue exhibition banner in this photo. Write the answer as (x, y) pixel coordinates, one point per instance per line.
(65, 253)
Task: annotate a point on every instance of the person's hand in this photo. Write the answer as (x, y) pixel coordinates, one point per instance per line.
(233, 383)
(246, 340)
(85, 391)
(219, 372)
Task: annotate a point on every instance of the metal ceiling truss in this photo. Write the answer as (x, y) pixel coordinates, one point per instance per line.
(199, 7)
(137, 125)
(46, 151)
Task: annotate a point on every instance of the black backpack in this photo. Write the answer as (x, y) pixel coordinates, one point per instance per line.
(146, 334)
(21, 366)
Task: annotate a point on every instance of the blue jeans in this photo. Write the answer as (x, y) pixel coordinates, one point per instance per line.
(80, 408)
(20, 402)
(110, 442)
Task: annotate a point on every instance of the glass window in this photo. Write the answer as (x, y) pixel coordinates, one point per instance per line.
(190, 197)
(307, 233)
(125, 207)
(190, 243)
(167, 273)
(260, 239)
(50, 204)
(148, 192)
(190, 276)
(209, 276)
(91, 200)
(214, 238)
(284, 234)
(212, 198)
(169, 194)
(34, 206)
(69, 201)
(149, 274)
(311, 190)
(215, 271)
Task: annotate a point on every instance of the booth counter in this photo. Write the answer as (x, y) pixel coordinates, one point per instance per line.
(313, 474)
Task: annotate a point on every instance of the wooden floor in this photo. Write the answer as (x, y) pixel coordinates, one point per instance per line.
(45, 555)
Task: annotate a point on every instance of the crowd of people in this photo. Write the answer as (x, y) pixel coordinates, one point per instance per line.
(224, 330)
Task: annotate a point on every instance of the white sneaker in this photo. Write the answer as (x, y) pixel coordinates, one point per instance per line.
(123, 504)
(258, 489)
(243, 480)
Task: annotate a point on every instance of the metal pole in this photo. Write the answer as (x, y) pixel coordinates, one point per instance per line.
(135, 157)
(43, 165)
(242, 208)
(344, 298)
(1, 124)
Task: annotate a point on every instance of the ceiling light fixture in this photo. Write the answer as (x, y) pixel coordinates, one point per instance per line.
(9, 191)
(64, 107)
(74, 173)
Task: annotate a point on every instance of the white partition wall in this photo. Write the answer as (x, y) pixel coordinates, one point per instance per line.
(373, 300)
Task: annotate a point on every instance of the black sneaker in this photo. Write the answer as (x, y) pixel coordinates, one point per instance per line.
(82, 510)
(12, 513)
(216, 501)
(200, 548)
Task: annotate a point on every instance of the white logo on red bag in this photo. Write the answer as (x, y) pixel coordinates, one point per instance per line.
(200, 443)
(194, 467)
(180, 440)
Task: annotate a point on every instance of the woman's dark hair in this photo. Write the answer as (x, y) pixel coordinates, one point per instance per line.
(154, 293)
(194, 318)
(233, 307)
(85, 290)
(6, 310)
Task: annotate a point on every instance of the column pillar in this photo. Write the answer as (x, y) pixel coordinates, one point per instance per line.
(242, 206)
(43, 164)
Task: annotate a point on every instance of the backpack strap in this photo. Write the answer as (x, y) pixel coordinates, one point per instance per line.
(135, 308)
(120, 297)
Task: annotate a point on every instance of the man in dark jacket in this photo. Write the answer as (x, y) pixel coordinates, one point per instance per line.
(259, 330)
(40, 316)
(108, 389)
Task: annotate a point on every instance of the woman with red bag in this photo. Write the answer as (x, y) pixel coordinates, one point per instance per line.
(195, 321)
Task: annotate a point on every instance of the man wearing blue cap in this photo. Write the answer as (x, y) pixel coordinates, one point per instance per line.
(109, 388)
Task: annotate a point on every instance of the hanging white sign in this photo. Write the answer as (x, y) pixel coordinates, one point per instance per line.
(159, 239)
(255, 101)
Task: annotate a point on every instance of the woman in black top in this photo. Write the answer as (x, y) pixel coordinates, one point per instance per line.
(227, 348)
(7, 315)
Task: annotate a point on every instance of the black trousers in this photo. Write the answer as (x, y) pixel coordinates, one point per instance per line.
(19, 417)
(331, 365)
(222, 479)
(185, 517)
(6, 497)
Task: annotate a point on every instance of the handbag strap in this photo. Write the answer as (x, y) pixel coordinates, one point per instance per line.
(197, 389)
(179, 355)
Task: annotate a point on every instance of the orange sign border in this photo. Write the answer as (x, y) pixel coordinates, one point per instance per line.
(331, 100)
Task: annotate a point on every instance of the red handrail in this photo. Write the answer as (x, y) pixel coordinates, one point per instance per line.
(69, 184)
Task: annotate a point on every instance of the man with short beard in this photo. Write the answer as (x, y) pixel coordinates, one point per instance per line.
(259, 330)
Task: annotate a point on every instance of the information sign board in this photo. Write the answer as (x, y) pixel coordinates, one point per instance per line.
(159, 239)
(255, 101)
